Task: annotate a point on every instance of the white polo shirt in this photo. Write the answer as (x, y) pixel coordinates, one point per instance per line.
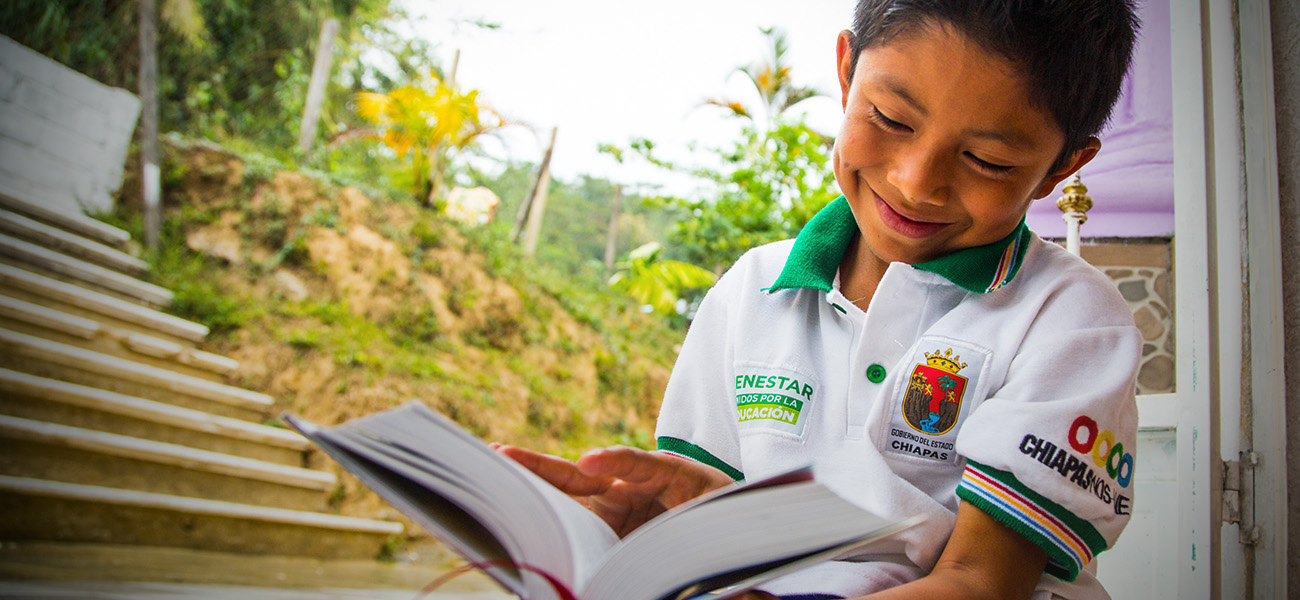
(1002, 375)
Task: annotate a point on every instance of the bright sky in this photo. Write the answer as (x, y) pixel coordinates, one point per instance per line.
(604, 71)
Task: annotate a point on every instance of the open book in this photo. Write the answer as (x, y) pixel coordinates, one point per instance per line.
(516, 527)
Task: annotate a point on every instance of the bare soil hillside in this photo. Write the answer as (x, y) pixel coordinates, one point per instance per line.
(339, 305)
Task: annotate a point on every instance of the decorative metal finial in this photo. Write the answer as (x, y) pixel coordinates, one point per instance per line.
(1075, 204)
(1076, 199)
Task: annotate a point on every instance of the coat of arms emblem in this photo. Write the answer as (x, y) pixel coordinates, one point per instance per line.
(934, 393)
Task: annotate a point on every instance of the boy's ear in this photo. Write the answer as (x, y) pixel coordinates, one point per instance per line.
(844, 64)
(1075, 162)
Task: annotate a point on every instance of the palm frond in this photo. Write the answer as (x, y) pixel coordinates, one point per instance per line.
(796, 95)
(737, 109)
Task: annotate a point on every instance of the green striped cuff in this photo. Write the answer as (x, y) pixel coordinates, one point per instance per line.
(1070, 542)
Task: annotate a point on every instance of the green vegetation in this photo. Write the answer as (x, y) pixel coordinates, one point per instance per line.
(431, 309)
(775, 176)
(337, 281)
(335, 276)
(428, 120)
(226, 69)
(196, 296)
(771, 78)
(772, 183)
(658, 283)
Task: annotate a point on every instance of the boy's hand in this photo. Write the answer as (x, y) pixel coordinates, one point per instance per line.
(624, 486)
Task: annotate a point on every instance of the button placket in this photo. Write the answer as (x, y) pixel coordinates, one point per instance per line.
(891, 325)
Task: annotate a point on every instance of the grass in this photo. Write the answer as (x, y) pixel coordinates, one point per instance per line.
(472, 376)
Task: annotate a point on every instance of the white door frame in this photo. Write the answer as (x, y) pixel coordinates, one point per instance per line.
(1267, 387)
(1196, 398)
(1230, 387)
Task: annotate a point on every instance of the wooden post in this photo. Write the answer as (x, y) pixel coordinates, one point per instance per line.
(438, 153)
(320, 75)
(611, 241)
(1075, 204)
(455, 65)
(537, 206)
(151, 174)
(525, 207)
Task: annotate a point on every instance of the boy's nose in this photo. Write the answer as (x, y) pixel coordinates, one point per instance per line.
(921, 177)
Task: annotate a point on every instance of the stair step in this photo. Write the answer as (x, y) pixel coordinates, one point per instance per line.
(163, 349)
(72, 564)
(33, 203)
(121, 311)
(64, 403)
(54, 511)
(70, 243)
(45, 358)
(95, 275)
(61, 453)
(26, 317)
(45, 318)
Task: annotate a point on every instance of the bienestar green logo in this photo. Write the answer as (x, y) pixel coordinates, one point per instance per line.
(771, 397)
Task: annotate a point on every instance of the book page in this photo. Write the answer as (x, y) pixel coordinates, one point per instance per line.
(441, 514)
(770, 525)
(585, 536)
(539, 525)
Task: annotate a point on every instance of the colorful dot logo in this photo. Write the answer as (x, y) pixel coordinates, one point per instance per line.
(1087, 437)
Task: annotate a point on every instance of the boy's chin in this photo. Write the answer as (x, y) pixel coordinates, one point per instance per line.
(890, 251)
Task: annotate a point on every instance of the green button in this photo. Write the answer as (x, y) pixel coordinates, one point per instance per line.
(876, 373)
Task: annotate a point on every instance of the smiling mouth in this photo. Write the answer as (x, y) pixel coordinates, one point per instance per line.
(903, 225)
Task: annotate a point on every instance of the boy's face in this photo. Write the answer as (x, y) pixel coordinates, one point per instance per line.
(940, 148)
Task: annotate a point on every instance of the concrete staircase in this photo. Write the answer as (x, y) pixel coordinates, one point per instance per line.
(115, 428)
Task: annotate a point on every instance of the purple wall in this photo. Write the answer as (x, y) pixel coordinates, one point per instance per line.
(1131, 181)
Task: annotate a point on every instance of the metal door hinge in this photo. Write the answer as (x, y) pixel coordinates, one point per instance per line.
(1231, 512)
(1238, 496)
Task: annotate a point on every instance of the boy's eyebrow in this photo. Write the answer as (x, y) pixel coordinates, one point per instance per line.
(896, 87)
(1013, 139)
(1008, 138)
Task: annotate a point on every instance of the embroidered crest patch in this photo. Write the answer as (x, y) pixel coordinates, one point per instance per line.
(935, 399)
(934, 393)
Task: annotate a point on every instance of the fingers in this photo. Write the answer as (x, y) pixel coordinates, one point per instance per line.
(632, 465)
(562, 474)
(641, 467)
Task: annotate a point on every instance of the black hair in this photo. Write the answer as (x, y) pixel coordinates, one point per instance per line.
(1073, 53)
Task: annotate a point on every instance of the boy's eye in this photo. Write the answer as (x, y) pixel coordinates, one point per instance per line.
(887, 122)
(988, 167)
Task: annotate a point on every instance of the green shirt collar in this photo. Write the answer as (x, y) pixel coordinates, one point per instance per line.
(815, 257)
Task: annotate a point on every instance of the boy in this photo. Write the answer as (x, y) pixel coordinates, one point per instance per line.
(916, 343)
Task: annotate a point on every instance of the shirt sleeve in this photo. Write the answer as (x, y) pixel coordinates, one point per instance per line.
(697, 419)
(1051, 453)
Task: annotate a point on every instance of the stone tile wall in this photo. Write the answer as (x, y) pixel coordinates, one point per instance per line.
(63, 135)
(1142, 270)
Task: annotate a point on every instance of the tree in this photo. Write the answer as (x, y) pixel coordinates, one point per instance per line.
(775, 176)
(427, 120)
(770, 185)
(658, 283)
(226, 69)
(771, 79)
(577, 224)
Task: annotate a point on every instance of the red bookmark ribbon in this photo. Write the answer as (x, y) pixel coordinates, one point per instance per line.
(560, 589)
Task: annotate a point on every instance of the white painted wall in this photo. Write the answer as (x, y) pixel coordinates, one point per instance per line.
(63, 135)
